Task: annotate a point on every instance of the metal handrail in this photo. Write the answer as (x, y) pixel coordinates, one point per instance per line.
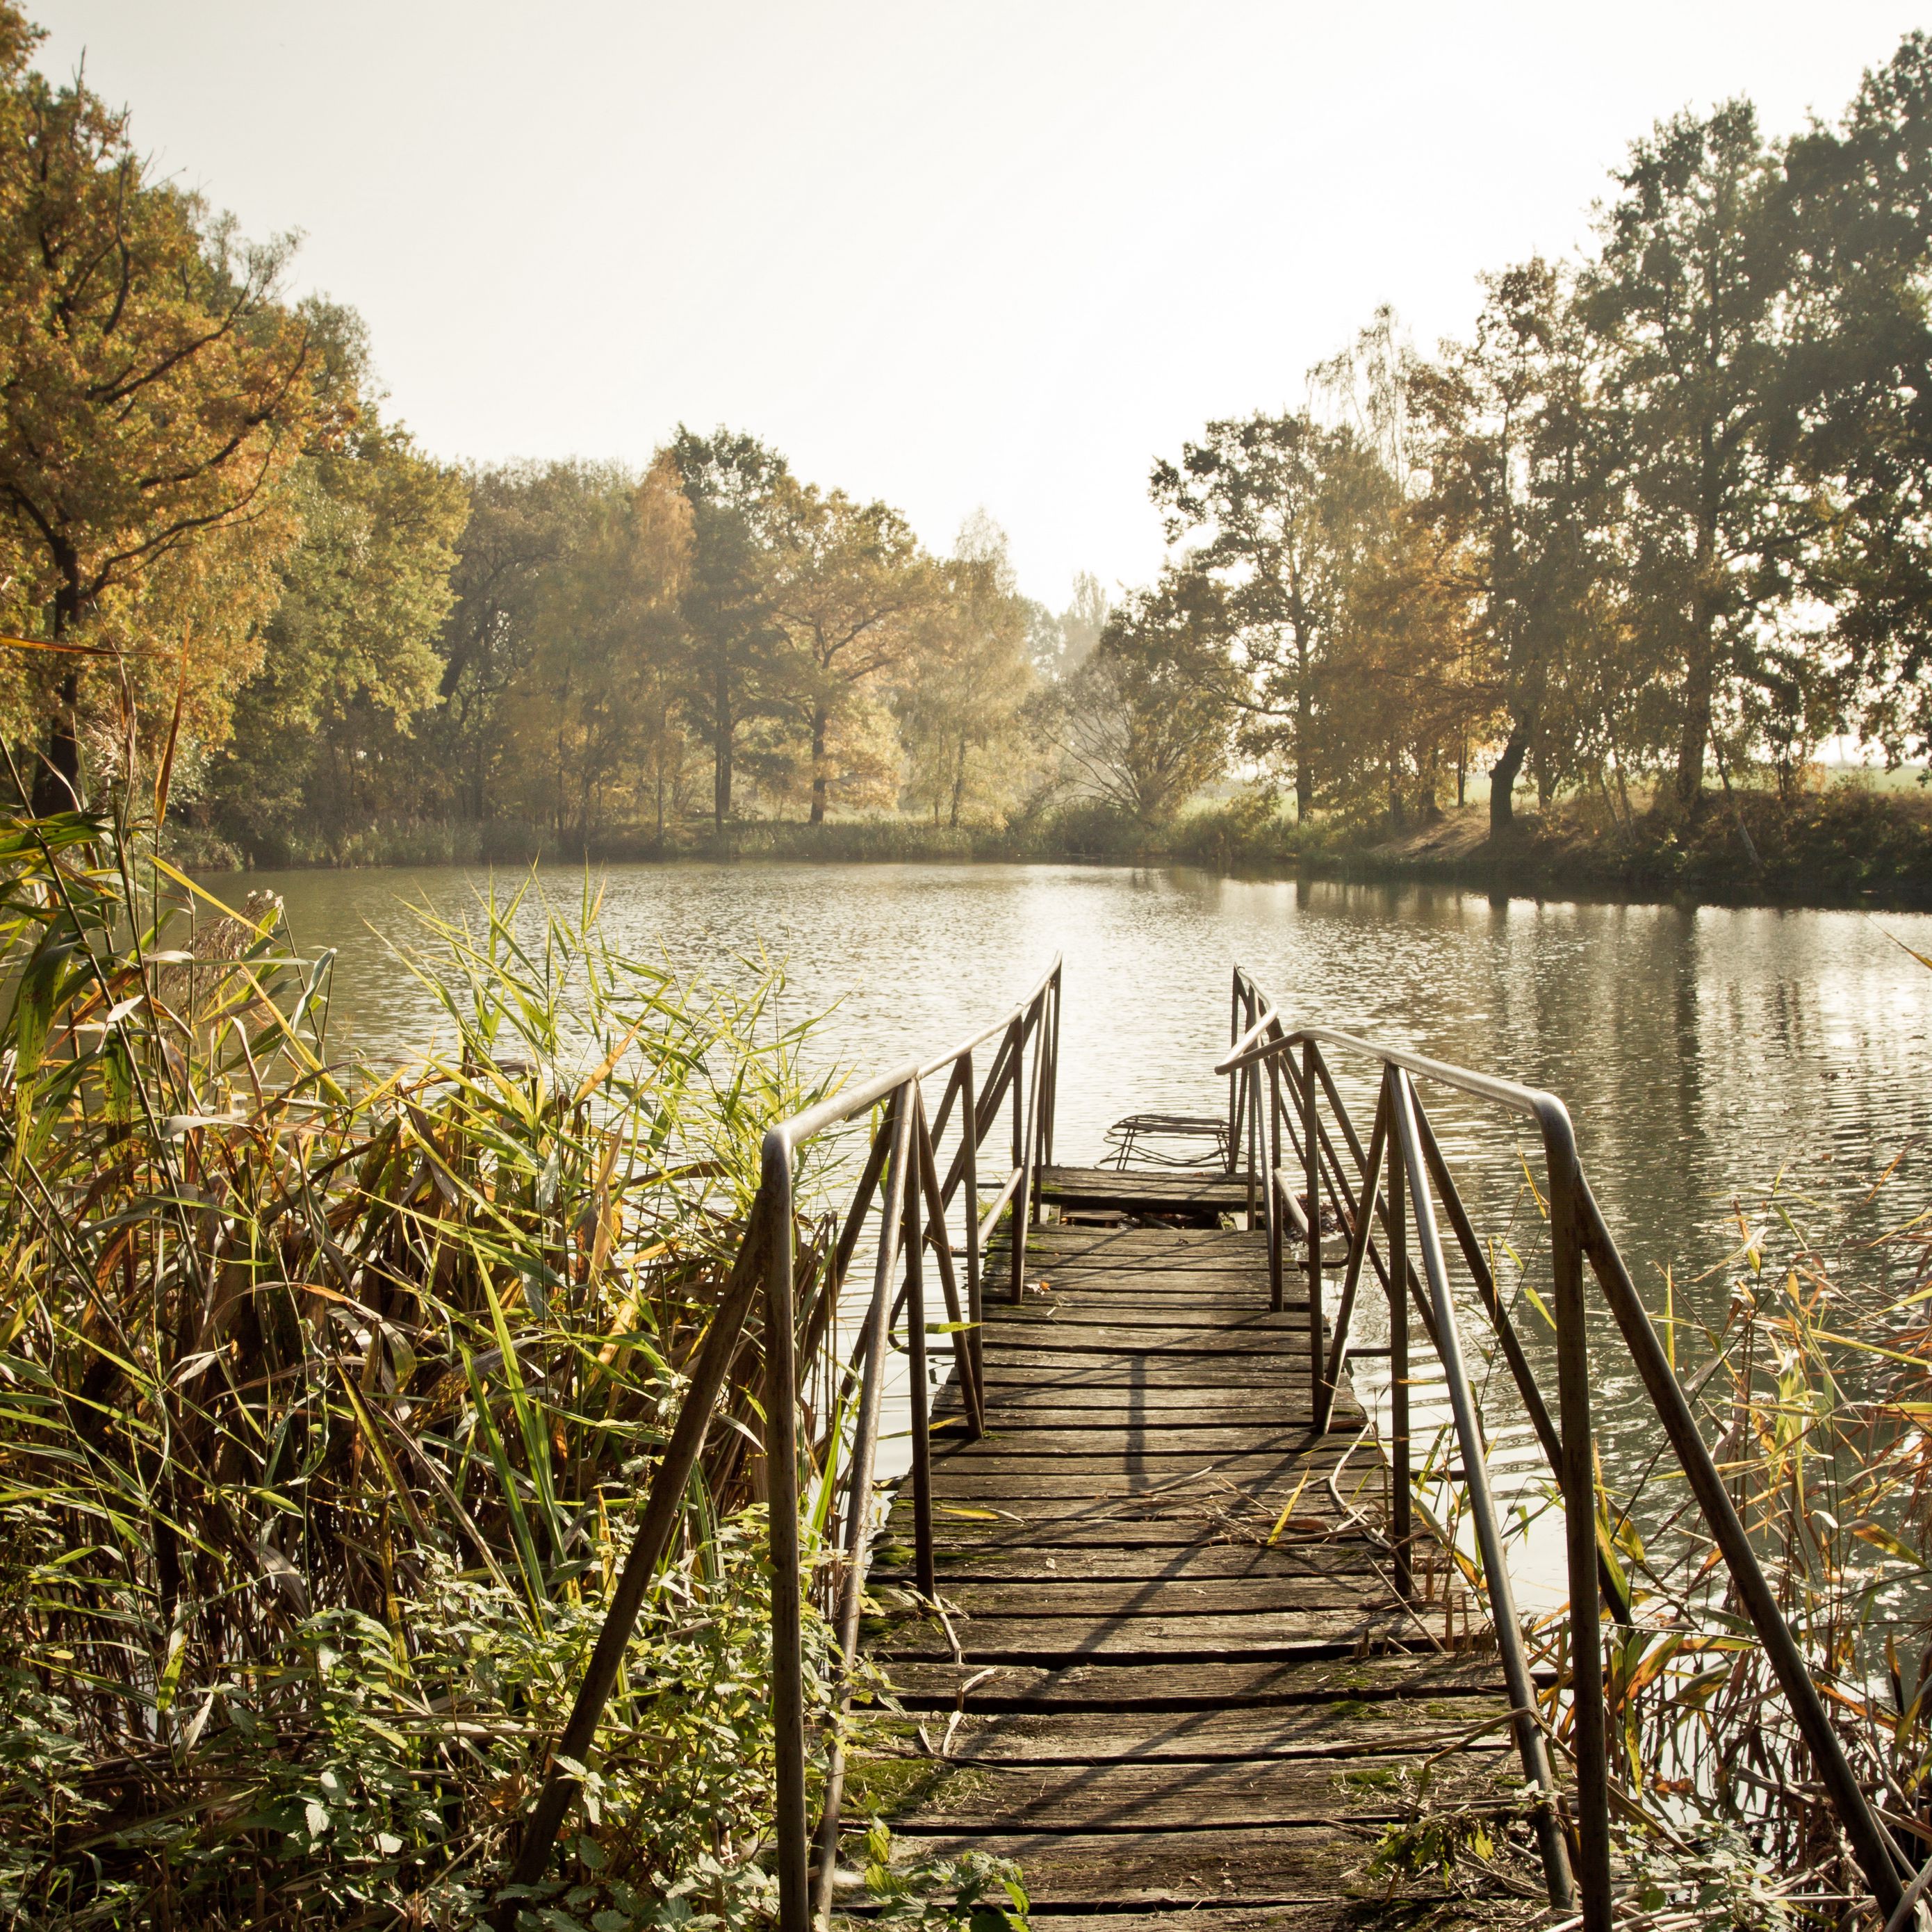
(1403, 1142)
(900, 1172)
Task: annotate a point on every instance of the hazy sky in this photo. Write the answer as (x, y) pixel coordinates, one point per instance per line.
(950, 254)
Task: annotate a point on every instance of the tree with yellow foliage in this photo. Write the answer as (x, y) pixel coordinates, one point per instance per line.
(154, 394)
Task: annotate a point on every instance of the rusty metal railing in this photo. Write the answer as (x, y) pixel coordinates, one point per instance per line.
(1279, 1078)
(903, 1176)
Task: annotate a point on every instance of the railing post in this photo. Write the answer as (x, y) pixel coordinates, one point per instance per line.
(896, 1131)
(1234, 1077)
(1016, 1245)
(791, 1849)
(969, 1129)
(1401, 1502)
(1320, 1397)
(1028, 1134)
(921, 1437)
(1578, 1481)
(663, 1505)
(1277, 1299)
(1052, 1097)
(1482, 1505)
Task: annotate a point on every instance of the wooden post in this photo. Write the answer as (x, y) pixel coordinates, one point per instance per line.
(1311, 1148)
(921, 1437)
(1401, 1526)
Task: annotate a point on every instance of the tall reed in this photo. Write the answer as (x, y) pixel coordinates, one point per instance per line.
(326, 1395)
(1807, 1357)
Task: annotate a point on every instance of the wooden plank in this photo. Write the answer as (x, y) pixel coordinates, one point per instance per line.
(1121, 1437)
(1169, 1520)
(1054, 1368)
(1188, 1797)
(1164, 1561)
(1115, 1413)
(1280, 1479)
(1219, 1249)
(942, 1685)
(1177, 1640)
(1183, 1314)
(1090, 1600)
(1181, 1185)
(1347, 1727)
(1266, 1864)
(1111, 1403)
(1013, 1341)
(1304, 1917)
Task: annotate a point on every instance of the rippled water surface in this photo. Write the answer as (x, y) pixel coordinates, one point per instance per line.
(1701, 1052)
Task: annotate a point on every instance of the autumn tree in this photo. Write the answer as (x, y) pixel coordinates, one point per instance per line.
(594, 694)
(736, 665)
(1277, 512)
(350, 659)
(525, 519)
(154, 394)
(1687, 299)
(1858, 198)
(962, 693)
(1515, 451)
(1402, 694)
(850, 588)
(1141, 727)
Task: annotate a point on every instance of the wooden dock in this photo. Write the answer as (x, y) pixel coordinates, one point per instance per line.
(1173, 1675)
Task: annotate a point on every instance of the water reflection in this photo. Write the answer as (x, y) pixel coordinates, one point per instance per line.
(1699, 1051)
(1702, 1052)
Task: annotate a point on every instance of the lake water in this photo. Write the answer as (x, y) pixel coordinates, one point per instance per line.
(1702, 1052)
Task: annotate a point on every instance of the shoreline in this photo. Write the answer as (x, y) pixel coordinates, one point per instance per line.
(1845, 849)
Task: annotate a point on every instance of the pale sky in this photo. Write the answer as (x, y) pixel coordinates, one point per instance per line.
(952, 255)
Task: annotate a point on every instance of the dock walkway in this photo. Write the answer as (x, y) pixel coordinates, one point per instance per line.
(1173, 1675)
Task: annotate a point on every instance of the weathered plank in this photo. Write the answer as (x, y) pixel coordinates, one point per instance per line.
(1167, 1520)
(1121, 1436)
(1153, 1405)
(1047, 1366)
(1282, 1337)
(1106, 1686)
(1187, 1796)
(1090, 1601)
(1188, 1639)
(1270, 1864)
(1162, 1562)
(1171, 1189)
(1346, 1727)
(1180, 1314)
(1173, 1672)
(1282, 1479)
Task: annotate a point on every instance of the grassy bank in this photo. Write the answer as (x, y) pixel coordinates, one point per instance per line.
(1845, 844)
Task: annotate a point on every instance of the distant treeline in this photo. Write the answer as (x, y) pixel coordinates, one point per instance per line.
(1662, 524)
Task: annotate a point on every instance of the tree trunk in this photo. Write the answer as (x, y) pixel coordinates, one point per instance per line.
(820, 723)
(1304, 730)
(57, 777)
(1700, 651)
(958, 786)
(1699, 667)
(57, 786)
(721, 771)
(1503, 775)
